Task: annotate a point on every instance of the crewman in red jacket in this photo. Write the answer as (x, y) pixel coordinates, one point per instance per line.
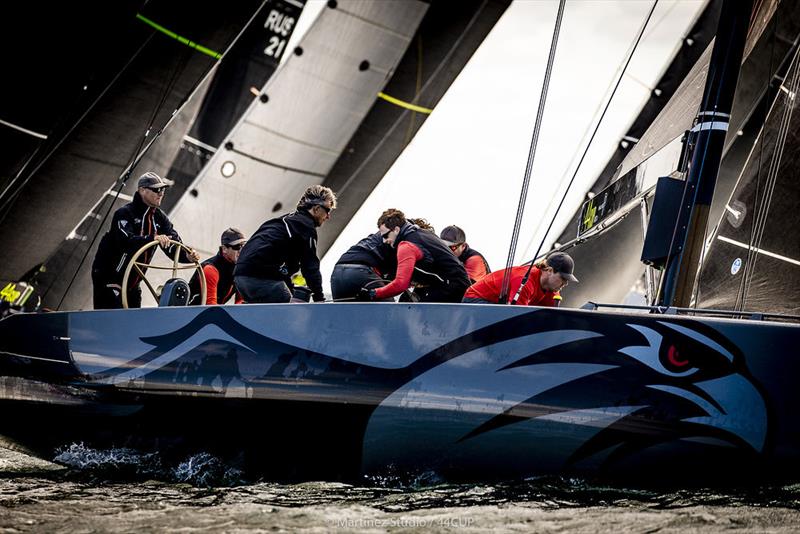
(476, 265)
(218, 271)
(422, 258)
(546, 279)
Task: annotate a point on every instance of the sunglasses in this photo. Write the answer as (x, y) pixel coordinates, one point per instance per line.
(326, 208)
(157, 190)
(235, 247)
(385, 235)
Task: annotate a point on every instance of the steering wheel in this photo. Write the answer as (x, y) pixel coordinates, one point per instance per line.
(176, 266)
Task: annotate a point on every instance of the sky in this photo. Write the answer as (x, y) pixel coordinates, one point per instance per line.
(466, 164)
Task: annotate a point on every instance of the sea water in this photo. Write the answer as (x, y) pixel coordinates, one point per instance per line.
(122, 490)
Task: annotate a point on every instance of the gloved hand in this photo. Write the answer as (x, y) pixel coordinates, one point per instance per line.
(365, 295)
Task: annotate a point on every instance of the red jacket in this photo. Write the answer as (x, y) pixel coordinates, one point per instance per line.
(489, 287)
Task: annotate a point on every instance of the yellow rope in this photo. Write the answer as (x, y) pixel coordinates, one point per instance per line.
(398, 102)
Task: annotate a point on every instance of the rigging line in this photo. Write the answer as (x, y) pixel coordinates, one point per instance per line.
(445, 61)
(23, 130)
(169, 120)
(7, 203)
(512, 249)
(588, 129)
(591, 139)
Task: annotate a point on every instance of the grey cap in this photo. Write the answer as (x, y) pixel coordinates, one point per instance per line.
(152, 180)
(562, 264)
(232, 236)
(453, 235)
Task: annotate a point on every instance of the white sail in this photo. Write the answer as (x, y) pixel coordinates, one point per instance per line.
(314, 104)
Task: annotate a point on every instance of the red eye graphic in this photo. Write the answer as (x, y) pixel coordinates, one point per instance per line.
(674, 358)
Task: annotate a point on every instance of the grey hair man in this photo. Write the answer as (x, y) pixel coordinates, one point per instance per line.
(283, 245)
(135, 224)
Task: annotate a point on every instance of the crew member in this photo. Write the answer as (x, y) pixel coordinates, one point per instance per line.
(283, 245)
(363, 265)
(218, 271)
(476, 265)
(134, 225)
(421, 257)
(546, 279)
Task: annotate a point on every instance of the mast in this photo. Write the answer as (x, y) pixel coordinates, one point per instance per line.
(707, 138)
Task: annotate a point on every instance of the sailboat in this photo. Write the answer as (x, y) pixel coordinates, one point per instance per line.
(338, 390)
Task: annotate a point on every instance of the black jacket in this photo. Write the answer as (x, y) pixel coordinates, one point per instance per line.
(438, 265)
(372, 252)
(132, 227)
(279, 248)
(470, 252)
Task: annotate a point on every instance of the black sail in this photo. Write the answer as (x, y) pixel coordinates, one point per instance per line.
(239, 78)
(753, 258)
(77, 174)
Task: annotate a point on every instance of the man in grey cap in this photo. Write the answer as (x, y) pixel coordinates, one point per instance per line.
(218, 271)
(135, 224)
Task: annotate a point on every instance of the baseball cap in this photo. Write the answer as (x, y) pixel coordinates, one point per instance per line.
(233, 236)
(562, 264)
(453, 235)
(153, 181)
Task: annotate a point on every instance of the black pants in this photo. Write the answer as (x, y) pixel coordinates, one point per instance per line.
(262, 290)
(107, 295)
(348, 278)
(448, 292)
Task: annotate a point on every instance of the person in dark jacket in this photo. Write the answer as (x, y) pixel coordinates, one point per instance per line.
(422, 258)
(363, 265)
(218, 271)
(134, 225)
(283, 245)
(476, 265)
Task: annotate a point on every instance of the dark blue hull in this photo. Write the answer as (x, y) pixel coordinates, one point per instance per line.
(469, 391)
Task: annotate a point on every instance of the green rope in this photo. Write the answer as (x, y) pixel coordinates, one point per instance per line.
(184, 40)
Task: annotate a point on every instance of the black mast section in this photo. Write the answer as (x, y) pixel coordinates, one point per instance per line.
(707, 139)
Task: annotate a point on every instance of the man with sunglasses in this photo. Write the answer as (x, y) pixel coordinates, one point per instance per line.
(422, 258)
(283, 245)
(218, 271)
(135, 224)
(476, 265)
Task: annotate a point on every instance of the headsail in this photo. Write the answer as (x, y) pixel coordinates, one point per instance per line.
(291, 136)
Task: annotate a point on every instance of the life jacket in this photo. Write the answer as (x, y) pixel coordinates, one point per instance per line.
(438, 265)
(225, 287)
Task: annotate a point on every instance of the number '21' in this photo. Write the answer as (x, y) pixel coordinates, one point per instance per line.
(275, 47)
